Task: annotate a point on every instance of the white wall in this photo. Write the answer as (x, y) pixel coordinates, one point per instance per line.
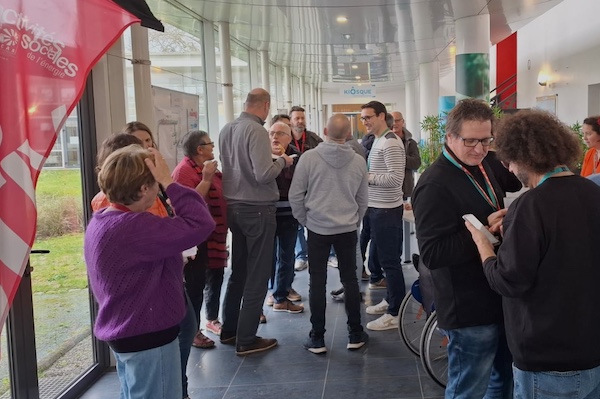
(564, 42)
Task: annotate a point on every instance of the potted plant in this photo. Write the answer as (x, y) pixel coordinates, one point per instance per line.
(431, 147)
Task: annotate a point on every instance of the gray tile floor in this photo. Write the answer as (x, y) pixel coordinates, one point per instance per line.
(384, 368)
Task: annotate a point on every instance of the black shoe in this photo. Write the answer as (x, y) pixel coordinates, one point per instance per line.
(259, 345)
(337, 292)
(357, 340)
(315, 344)
(339, 298)
(227, 338)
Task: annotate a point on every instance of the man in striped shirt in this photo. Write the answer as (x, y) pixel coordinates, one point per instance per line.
(386, 163)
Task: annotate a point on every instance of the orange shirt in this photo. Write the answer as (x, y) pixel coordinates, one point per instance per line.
(100, 201)
(590, 163)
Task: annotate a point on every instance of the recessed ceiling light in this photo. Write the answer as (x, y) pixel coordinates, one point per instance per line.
(341, 19)
(354, 66)
(357, 77)
(349, 51)
(347, 36)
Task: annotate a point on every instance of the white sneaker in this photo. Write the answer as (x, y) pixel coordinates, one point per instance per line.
(385, 322)
(332, 261)
(300, 265)
(380, 308)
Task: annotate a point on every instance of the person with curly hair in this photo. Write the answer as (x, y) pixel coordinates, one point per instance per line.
(591, 136)
(547, 266)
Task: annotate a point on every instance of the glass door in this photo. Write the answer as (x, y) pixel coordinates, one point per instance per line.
(48, 349)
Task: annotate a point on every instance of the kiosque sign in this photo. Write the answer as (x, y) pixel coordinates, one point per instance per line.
(358, 91)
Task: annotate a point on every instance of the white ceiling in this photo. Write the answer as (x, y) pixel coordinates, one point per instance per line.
(388, 38)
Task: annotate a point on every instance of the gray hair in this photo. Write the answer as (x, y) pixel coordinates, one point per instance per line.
(191, 141)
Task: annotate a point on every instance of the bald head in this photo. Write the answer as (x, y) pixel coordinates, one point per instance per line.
(258, 103)
(338, 127)
(398, 124)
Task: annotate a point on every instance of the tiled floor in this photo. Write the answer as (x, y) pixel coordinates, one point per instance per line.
(384, 368)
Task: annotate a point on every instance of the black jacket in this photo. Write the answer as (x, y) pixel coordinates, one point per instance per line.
(462, 295)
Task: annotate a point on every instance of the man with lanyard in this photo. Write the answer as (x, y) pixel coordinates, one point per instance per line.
(460, 182)
(303, 140)
(386, 164)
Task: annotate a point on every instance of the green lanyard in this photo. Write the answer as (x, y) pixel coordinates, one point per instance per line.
(556, 171)
(373, 146)
(490, 196)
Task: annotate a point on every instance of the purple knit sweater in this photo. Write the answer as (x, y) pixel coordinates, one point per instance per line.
(135, 266)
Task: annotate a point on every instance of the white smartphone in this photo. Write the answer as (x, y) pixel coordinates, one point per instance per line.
(479, 226)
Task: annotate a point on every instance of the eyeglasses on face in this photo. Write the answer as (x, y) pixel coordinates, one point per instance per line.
(277, 134)
(367, 117)
(209, 143)
(398, 120)
(473, 142)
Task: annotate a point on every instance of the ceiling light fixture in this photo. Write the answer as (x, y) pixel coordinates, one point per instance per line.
(357, 77)
(347, 36)
(349, 51)
(354, 66)
(542, 79)
(341, 19)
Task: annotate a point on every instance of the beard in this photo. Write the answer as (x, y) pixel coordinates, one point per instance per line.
(523, 177)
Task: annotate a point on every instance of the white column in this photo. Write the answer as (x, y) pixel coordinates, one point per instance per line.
(144, 109)
(411, 111)
(287, 88)
(472, 43)
(253, 64)
(109, 92)
(264, 70)
(302, 92)
(226, 78)
(429, 89)
(210, 70)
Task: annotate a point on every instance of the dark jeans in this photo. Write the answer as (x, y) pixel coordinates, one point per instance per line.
(187, 331)
(386, 236)
(253, 231)
(283, 257)
(318, 252)
(203, 283)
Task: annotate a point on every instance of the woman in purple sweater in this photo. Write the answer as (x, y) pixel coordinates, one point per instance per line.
(135, 269)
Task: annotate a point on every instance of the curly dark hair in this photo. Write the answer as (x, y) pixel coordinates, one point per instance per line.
(537, 141)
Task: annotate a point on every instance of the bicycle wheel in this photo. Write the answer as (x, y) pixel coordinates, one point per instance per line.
(412, 321)
(434, 352)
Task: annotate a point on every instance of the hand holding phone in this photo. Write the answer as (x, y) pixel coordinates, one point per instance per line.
(479, 226)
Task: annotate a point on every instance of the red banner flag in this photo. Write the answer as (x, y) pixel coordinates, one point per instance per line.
(47, 49)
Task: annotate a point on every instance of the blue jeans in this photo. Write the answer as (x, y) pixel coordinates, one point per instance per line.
(150, 374)
(319, 247)
(386, 233)
(283, 257)
(253, 234)
(579, 384)
(479, 363)
(301, 249)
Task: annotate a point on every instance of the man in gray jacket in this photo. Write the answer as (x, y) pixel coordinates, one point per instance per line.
(250, 189)
(329, 195)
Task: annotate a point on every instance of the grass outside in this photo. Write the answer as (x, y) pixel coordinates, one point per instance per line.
(60, 230)
(63, 268)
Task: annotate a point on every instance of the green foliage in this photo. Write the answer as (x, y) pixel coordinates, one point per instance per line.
(59, 204)
(576, 128)
(432, 147)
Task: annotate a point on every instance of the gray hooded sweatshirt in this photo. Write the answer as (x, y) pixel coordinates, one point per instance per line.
(329, 192)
